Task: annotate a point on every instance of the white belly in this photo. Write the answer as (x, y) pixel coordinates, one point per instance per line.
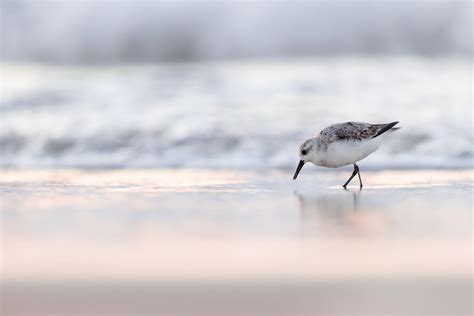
(343, 153)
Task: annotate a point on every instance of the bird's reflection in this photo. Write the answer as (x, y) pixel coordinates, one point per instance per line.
(331, 213)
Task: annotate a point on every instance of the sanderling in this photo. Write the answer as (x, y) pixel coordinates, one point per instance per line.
(343, 144)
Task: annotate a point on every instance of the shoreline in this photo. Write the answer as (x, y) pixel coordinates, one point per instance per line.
(236, 239)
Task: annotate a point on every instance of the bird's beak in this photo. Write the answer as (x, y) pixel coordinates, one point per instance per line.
(298, 169)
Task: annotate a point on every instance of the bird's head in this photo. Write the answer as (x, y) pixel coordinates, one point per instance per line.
(304, 151)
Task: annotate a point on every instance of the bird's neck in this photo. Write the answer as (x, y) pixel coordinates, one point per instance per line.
(317, 156)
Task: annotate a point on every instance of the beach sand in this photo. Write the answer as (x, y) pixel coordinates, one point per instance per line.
(188, 242)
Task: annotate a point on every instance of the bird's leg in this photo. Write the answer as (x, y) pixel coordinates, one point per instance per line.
(356, 170)
(358, 173)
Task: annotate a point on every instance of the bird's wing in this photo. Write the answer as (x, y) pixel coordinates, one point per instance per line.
(355, 131)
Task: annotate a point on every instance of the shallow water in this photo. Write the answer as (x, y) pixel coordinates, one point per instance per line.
(237, 115)
(236, 242)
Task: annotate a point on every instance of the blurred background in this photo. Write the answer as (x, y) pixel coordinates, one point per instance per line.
(230, 84)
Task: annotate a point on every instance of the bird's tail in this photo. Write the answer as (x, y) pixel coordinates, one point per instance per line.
(388, 127)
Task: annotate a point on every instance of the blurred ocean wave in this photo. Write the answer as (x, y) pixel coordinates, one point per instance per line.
(238, 115)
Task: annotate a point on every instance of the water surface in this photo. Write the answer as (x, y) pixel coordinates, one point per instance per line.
(229, 242)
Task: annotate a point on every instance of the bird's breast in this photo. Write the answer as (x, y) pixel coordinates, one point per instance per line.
(342, 153)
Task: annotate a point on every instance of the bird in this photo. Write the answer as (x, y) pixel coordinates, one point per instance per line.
(343, 144)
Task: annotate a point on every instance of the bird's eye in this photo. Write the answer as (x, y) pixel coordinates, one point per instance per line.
(304, 152)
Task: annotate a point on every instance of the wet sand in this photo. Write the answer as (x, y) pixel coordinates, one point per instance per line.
(148, 242)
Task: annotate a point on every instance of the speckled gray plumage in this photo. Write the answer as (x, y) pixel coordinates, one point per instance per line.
(353, 131)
